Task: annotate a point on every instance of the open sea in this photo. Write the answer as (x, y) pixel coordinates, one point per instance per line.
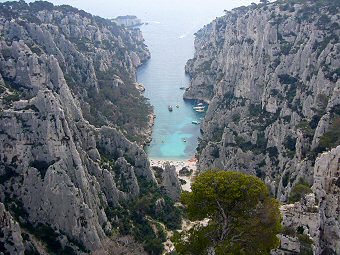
(170, 38)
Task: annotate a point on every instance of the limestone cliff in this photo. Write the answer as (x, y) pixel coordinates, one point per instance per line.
(10, 234)
(270, 73)
(97, 57)
(64, 160)
(312, 224)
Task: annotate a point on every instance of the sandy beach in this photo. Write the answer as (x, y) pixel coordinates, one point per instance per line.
(190, 164)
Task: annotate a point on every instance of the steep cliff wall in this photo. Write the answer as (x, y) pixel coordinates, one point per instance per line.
(312, 224)
(271, 75)
(98, 60)
(60, 70)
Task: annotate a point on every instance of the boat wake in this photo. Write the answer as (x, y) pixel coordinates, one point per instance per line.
(183, 36)
(153, 22)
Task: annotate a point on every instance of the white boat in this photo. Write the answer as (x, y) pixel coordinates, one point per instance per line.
(200, 104)
(198, 107)
(170, 108)
(199, 110)
(195, 122)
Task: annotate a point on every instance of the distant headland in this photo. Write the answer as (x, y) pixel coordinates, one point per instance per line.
(127, 21)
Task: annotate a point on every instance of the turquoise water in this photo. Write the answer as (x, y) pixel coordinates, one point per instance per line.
(162, 77)
(170, 37)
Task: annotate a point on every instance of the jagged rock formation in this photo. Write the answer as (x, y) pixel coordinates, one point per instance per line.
(171, 182)
(316, 216)
(97, 57)
(271, 75)
(10, 234)
(326, 187)
(167, 178)
(61, 68)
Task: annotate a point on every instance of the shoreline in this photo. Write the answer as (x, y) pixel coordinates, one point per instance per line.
(190, 164)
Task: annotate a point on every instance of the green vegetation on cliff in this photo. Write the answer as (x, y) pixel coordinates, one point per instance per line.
(147, 217)
(242, 217)
(99, 68)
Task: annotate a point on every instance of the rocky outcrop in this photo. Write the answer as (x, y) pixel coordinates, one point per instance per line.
(171, 182)
(270, 73)
(127, 21)
(313, 223)
(98, 59)
(167, 179)
(59, 174)
(10, 234)
(326, 187)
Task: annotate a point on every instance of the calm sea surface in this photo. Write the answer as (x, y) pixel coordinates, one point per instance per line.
(163, 76)
(169, 36)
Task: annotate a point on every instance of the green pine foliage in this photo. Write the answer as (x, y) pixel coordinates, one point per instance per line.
(242, 217)
(299, 191)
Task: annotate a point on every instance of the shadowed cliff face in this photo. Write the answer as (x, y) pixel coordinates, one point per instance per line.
(271, 75)
(61, 68)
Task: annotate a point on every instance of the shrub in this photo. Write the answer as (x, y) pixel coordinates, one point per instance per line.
(139, 217)
(331, 138)
(305, 244)
(285, 179)
(255, 109)
(287, 79)
(236, 117)
(306, 128)
(217, 134)
(290, 143)
(299, 191)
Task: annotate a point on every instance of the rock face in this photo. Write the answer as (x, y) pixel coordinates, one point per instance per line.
(271, 76)
(59, 68)
(127, 21)
(167, 179)
(316, 216)
(327, 192)
(270, 73)
(97, 57)
(10, 233)
(170, 182)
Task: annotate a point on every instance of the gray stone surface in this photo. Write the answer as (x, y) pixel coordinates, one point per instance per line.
(271, 82)
(317, 214)
(171, 182)
(58, 170)
(10, 234)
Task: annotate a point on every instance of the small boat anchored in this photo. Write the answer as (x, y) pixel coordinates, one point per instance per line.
(200, 107)
(195, 122)
(200, 110)
(170, 108)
